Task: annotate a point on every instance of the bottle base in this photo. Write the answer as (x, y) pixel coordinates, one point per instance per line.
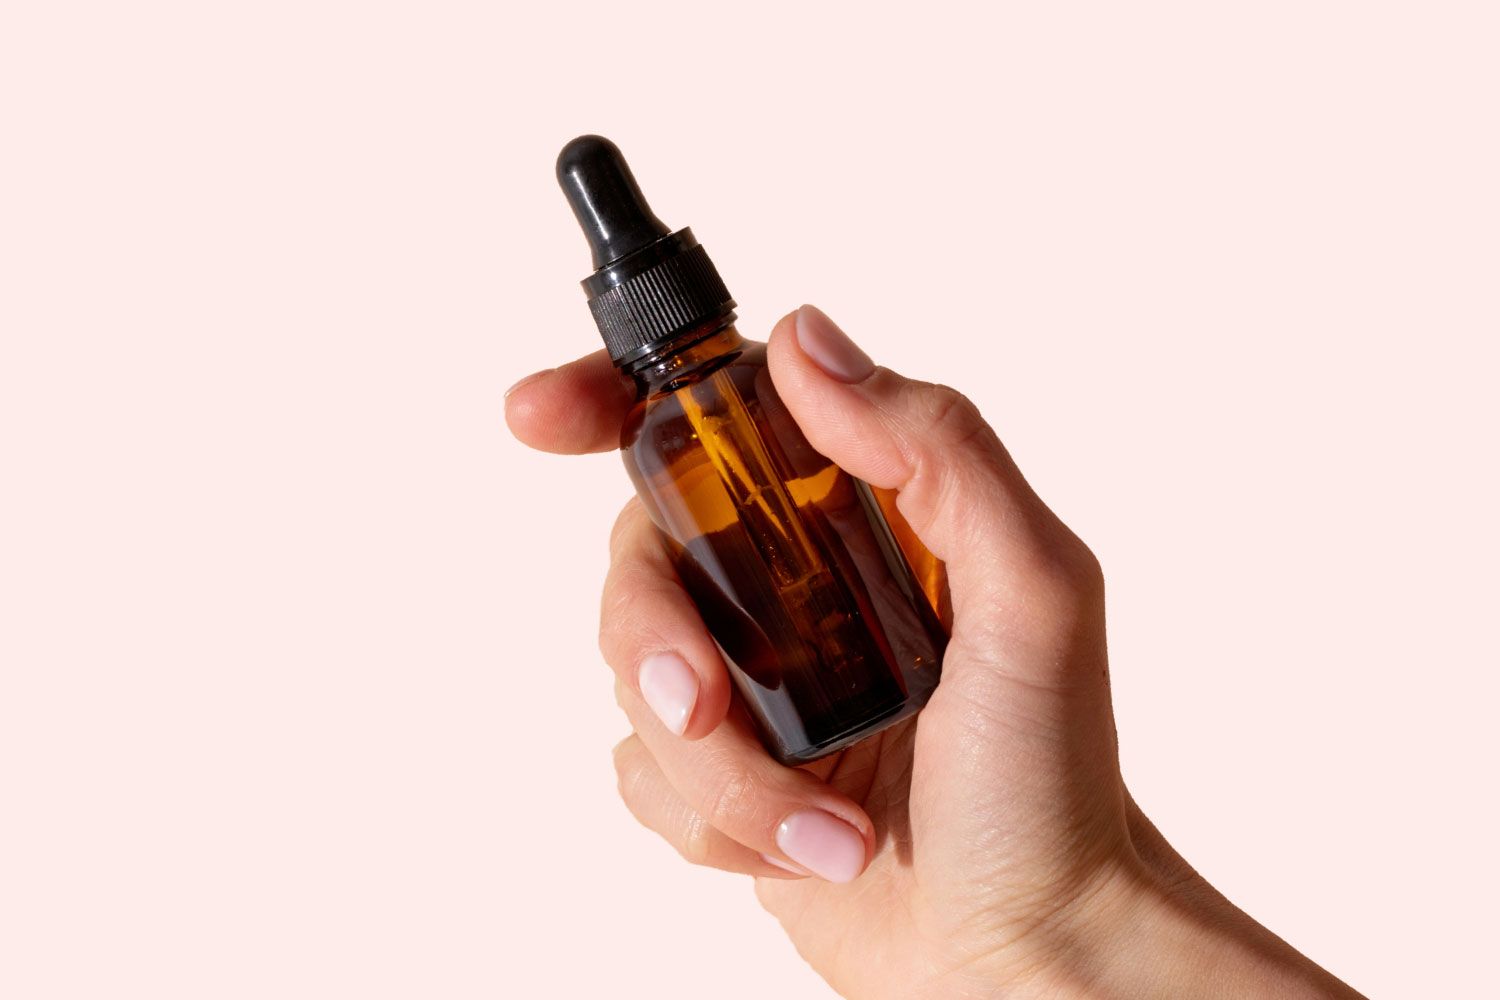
(847, 739)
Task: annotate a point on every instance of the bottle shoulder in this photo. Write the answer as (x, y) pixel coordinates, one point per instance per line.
(657, 408)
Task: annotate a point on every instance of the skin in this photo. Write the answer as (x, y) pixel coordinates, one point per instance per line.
(1004, 855)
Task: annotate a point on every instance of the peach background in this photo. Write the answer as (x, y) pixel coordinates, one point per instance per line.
(300, 693)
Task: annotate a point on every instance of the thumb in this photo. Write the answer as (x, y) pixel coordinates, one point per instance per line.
(1017, 574)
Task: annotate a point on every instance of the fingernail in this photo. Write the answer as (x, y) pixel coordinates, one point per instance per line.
(826, 846)
(529, 378)
(671, 689)
(778, 863)
(830, 348)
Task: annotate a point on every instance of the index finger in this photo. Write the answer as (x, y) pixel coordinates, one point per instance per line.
(570, 410)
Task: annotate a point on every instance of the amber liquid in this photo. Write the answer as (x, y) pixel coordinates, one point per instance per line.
(829, 611)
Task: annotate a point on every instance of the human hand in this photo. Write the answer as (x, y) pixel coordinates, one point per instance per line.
(986, 847)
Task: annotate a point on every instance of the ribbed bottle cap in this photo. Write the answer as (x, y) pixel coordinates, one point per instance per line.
(650, 285)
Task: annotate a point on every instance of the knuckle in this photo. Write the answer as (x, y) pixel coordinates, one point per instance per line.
(624, 615)
(731, 799)
(1064, 580)
(625, 523)
(1075, 566)
(950, 448)
(628, 772)
(951, 417)
(614, 610)
(636, 595)
(696, 845)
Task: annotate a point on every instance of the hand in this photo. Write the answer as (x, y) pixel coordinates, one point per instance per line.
(987, 847)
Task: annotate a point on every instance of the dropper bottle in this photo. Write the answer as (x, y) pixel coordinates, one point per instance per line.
(824, 603)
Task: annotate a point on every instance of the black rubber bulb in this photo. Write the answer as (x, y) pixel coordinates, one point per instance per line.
(606, 199)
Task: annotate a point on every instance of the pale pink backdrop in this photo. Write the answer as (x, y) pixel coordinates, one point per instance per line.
(300, 696)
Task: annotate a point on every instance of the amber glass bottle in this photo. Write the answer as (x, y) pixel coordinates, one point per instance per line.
(828, 610)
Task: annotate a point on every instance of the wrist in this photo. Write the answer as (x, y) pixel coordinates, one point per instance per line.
(1150, 926)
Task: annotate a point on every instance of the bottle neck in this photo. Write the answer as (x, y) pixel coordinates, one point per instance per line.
(686, 358)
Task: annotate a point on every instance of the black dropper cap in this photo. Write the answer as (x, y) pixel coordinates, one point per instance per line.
(650, 285)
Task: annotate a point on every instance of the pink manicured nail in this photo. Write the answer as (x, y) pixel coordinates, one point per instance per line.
(671, 689)
(826, 846)
(830, 348)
